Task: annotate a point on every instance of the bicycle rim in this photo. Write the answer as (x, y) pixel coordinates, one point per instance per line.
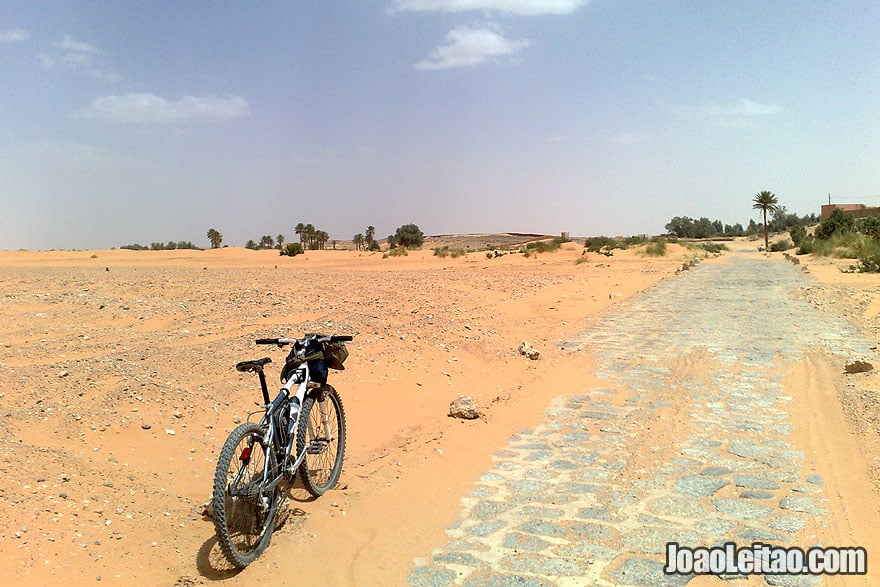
(324, 446)
(244, 510)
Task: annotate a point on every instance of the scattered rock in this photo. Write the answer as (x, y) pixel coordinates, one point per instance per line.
(146, 426)
(464, 407)
(529, 351)
(858, 366)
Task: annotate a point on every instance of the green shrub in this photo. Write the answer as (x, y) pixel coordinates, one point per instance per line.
(656, 249)
(838, 222)
(544, 246)
(798, 235)
(409, 235)
(291, 250)
(782, 245)
(398, 251)
(445, 251)
(869, 226)
(714, 247)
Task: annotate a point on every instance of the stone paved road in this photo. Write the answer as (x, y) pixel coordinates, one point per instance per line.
(590, 497)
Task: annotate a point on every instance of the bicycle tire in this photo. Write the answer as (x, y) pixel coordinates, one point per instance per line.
(243, 517)
(322, 464)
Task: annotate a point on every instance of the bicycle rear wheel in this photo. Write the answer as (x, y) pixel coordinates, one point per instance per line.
(244, 509)
(324, 444)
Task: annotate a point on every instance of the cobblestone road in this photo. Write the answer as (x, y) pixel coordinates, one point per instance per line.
(590, 497)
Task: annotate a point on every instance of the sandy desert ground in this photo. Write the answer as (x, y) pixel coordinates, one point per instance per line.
(117, 390)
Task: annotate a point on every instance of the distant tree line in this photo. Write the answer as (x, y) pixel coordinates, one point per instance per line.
(780, 221)
(169, 246)
(310, 238)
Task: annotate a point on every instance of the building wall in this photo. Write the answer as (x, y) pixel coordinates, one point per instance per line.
(858, 210)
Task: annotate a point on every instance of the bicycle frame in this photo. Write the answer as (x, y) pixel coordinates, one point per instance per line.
(301, 381)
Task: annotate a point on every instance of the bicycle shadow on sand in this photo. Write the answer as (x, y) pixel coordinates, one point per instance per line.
(210, 561)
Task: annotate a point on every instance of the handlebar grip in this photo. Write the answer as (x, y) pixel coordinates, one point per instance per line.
(267, 341)
(341, 338)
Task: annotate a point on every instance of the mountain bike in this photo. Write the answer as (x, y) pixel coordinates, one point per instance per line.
(301, 431)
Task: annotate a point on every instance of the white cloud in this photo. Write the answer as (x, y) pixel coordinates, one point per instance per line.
(742, 114)
(46, 61)
(77, 56)
(744, 107)
(68, 44)
(152, 109)
(12, 35)
(466, 47)
(519, 7)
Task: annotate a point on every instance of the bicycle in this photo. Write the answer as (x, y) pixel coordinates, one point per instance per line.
(306, 414)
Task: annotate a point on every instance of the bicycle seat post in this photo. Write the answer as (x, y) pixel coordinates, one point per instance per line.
(264, 387)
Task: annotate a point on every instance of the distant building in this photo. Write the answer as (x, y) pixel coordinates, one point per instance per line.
(858, 210)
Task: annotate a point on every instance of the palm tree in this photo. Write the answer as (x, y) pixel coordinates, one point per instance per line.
(371, 232)
(300, 227)
(321, 238)
(309, 231)
(280, 240)
(766, 202)
(215, 237)
(358, 241)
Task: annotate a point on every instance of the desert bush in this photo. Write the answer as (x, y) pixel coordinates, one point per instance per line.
(842, 245)
(656, 248)
(398, 251)
(782, 245)
(838, 222)
(869, 226)
(542, 246)
(409, 235)
(445, 251)
(596, 244)
(798, 234)
(291, 250)
(714, 247)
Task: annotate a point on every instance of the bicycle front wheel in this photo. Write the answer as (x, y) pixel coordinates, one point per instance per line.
(321, 434)
(244, 508)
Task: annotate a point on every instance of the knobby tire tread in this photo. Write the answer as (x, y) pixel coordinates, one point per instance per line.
(313, 483)
(236, 556)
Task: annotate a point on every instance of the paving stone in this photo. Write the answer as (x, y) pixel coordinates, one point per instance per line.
(754, 482)
(799, 503)
(677, 506)
(648, 573)
(430, 577)
(500, 580)
(542, 528)
(698, 485)
(524, 542)
(788, 523)
(740, 509)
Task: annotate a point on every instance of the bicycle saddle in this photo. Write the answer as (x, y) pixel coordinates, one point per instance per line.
(251, 366)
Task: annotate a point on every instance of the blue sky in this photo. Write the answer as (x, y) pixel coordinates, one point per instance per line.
(125, 122)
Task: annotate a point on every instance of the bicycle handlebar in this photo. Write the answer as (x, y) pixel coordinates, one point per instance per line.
(284, 341)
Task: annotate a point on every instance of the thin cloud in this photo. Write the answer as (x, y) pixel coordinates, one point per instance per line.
(14, 35)
(152, 109)
(76, 56)
(744, 107)
(742, 114)
(518, 7)
(68, 44)
(468, 47)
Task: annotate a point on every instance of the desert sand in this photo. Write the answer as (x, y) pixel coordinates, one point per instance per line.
(117, 390)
